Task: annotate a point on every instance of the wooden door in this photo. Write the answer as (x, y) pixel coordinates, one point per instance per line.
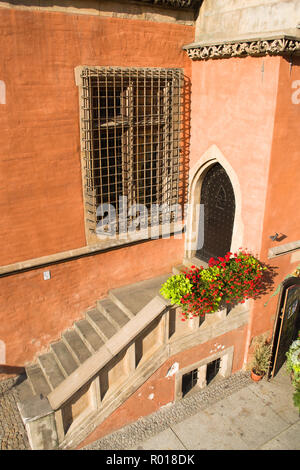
(217, 196)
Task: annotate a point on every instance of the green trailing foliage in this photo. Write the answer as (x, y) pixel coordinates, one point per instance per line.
(293, 367)
(175, 288)
(296, 399)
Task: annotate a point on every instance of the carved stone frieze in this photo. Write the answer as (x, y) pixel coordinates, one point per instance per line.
(273, 46)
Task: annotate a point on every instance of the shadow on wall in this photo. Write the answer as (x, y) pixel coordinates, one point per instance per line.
(267, 281)
(14, 370)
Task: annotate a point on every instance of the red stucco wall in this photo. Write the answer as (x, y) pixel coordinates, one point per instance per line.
(41, 202)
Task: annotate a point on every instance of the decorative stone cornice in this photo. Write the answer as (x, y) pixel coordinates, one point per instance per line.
(279, 45)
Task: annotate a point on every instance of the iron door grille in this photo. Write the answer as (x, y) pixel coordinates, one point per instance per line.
(218, 199)
(131, 128)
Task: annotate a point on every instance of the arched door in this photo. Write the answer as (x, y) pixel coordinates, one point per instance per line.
(217, 196)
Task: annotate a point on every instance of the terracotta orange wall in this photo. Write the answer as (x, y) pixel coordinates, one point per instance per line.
(41, 192)
(41, 195)
(161, 388)
(283, 195)
(233, 107)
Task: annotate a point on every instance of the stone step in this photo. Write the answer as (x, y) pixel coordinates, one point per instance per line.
(101, 324)
(131, 299)
(179, 269)
(51, 369)
(113, 313)
(89, 335)
(64, 357)
(38, 381)
(189, 262)
(76, 345)
(24, 390)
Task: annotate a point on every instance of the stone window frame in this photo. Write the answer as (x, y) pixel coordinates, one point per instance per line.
(225, 369)
(171, 183)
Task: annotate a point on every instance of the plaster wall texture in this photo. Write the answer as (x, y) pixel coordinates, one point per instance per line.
(41, 202)
(233, 18)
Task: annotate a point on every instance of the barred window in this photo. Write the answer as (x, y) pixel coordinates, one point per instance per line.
(130, 140)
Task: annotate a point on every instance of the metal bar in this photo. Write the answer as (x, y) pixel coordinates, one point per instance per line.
(131, 135)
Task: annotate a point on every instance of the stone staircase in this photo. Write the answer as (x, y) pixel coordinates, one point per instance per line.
(79, 344)
(87, 336)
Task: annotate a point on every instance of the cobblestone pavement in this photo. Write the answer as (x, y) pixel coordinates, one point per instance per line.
(12, 431)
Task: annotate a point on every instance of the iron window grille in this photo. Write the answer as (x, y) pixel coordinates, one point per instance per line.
(131, 130)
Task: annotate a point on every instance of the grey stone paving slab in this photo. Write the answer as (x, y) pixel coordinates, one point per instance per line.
(289, 439)
(89, 335)
(207, 430)
(278, 396)
(165, 440)
(250, 417)
(101, 323)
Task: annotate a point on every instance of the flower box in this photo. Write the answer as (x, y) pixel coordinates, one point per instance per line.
(231, 279)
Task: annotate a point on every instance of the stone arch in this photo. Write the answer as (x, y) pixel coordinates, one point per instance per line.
(212, 156)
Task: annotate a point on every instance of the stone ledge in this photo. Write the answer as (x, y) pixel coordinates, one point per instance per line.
(211, 332)
(285, 249)
(34, 408)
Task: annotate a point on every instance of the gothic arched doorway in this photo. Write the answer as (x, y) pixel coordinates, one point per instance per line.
(218, 199)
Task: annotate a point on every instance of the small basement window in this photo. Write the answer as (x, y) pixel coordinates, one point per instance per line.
(212, 370)
(199, 375)
(189, 381)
